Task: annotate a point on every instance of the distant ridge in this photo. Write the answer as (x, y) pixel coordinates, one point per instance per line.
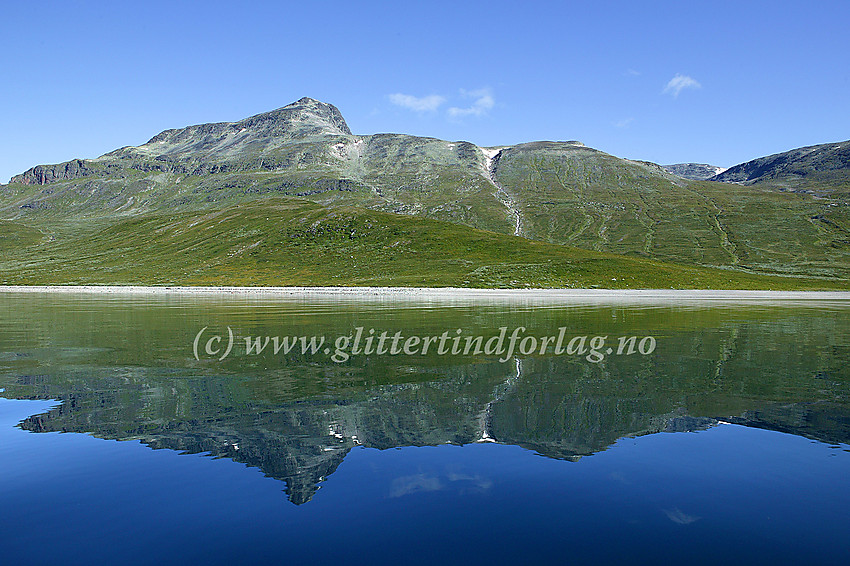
(829, 161)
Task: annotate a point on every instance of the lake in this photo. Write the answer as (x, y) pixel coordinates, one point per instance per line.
(315, 429)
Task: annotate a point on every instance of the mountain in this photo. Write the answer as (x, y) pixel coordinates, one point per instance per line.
(829, 162)
(222, 144)
(558, 192)
(695, 171)
(304, 149)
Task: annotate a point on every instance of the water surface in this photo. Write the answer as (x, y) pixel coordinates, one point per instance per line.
(728, 440)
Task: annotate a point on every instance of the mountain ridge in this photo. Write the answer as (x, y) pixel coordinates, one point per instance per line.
(307, 118)
(559, 192)
(822, 161)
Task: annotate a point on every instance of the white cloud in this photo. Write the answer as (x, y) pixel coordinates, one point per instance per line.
(679, 83)
(418, 104)
(632, 73)
(624, 123)
(483, 102)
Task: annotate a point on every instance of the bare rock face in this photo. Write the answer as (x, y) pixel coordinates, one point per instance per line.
(44, 174)
(695, 171)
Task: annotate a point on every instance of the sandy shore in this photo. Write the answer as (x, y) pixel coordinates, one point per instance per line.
(446, 293)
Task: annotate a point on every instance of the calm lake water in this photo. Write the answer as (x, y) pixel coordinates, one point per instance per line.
(150, 430)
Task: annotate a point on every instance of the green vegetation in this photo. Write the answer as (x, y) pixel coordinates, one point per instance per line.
(286, 241)
(585, 198)
(15, 236)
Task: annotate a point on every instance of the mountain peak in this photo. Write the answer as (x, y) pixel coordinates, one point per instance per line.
(308, 100)
(302, 118)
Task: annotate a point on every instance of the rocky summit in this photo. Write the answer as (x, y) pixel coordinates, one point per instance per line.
(217, 142)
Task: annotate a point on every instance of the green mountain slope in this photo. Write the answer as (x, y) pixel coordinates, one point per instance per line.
(556, 192)
(579, 196)
(298, 242)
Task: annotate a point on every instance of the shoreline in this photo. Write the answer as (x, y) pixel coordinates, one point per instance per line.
(434, 293)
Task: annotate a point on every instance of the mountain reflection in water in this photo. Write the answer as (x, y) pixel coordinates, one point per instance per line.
(124, 369)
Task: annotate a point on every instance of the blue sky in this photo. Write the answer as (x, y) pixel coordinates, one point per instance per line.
(716, 82)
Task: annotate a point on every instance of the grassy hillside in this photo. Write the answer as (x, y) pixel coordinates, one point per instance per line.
(585, 198)
(298, 242)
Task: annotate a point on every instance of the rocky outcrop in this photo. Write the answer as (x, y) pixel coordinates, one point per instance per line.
(44, 174)
(695, 171)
